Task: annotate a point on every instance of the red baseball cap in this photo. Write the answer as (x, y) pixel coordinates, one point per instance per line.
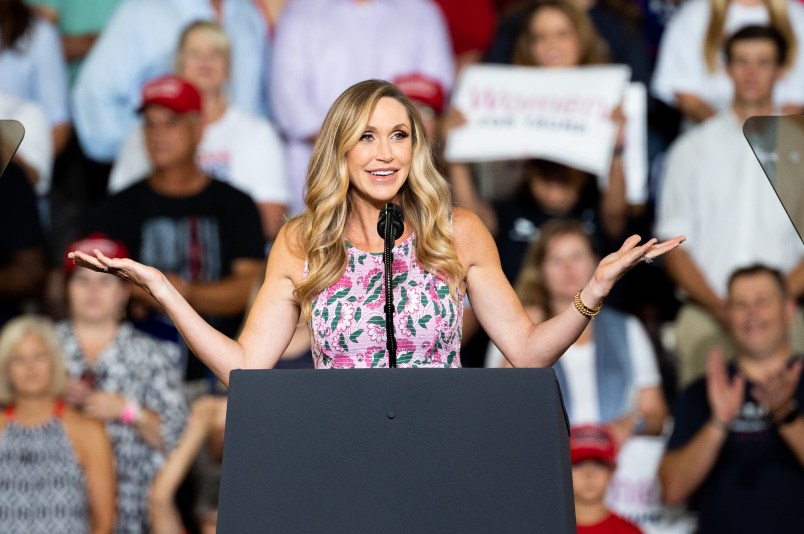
(592, 442)
(422, 89)
(172, 92)
(109, 247)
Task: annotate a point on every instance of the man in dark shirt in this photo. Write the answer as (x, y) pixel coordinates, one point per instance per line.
(202, 233)
(737, 448)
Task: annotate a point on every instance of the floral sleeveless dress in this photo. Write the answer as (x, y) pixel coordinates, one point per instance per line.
(347, 327)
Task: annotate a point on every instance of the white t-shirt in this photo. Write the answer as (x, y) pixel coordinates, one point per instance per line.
(578, 364)
(715, 193)
(36, 148)
(241, 149)
(681, 68)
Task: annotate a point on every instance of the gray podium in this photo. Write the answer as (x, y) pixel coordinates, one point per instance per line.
(778, 144)
(11, 134)
(396, 451)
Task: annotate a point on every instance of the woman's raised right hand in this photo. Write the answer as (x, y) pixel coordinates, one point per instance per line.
(148, 278)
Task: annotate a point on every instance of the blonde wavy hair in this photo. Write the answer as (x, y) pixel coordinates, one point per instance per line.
(530, 286)
(425, 198)
(713, 41)
(12, 333)
(593, 49)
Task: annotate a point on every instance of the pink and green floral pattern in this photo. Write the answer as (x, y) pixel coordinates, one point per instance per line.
(347, 327)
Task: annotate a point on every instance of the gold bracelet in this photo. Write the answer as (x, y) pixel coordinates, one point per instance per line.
(583, 309)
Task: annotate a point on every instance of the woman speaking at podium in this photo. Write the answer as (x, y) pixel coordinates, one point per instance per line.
(326, 268)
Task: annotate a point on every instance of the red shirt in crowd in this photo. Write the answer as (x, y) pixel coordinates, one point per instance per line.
(613, 524)
(471, 24)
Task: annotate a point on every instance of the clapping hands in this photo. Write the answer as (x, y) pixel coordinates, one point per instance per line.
(776, 391)
(725, 394)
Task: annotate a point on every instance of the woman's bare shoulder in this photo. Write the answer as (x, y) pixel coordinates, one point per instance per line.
(472, 238)
(291, 238)
(81, 422)
(462, 218)
(287, 253)
(467, 226)
(87, 434)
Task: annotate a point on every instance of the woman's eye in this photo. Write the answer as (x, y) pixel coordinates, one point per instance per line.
(399, 135)
(366, 137)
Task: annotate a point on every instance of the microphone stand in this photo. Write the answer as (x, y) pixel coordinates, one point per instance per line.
(390, 227)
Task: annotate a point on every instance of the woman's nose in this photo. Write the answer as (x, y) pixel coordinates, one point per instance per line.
(384, 152)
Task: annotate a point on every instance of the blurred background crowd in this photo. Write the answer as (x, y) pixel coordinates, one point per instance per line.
(178, 132)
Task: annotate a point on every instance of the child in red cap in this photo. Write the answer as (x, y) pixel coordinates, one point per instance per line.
(593, 456)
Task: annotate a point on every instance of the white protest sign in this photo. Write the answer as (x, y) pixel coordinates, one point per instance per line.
(635, 492)
(525, 112)
(563, 115)
(635, 156)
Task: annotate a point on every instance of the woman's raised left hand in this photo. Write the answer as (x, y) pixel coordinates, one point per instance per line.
(615, 265)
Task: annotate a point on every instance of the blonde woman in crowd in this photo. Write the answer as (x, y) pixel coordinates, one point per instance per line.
(57, 471)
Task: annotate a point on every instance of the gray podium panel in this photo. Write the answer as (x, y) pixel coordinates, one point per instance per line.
(778, 144)
(396, 451)
(11, 134)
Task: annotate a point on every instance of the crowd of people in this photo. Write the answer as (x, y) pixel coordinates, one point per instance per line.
(206, 140)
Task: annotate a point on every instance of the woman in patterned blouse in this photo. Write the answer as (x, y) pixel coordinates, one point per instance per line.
(123, 378)
(372, 149)
(56, 466)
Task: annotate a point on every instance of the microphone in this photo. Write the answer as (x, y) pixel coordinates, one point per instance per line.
(393, 213)
(390, 227)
